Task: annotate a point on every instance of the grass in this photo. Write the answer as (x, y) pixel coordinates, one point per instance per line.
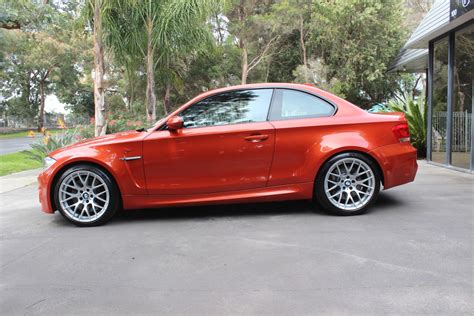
(14, 135)
(16, 162)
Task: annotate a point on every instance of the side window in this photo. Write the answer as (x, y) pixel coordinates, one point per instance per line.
(233, 107)
(292, 104)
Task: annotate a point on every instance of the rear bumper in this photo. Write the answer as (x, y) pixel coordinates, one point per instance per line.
(398, 162)
(44, 191)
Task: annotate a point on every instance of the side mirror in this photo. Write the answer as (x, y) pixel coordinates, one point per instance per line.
(174, 123)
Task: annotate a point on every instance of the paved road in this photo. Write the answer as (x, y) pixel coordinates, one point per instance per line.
(412, 254)
(11, 145)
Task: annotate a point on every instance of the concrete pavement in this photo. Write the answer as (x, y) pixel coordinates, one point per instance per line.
(413, 253)
(18, 180)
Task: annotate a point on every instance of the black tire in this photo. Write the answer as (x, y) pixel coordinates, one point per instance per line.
(113, 192)
(322, 198)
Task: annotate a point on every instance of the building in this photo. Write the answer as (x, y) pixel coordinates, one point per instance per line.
(443, 47)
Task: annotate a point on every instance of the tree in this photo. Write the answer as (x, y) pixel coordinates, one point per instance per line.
(294, 15)
(159, 32)
(254, 35)
(357, 41)
(98, 9)
(40, 57)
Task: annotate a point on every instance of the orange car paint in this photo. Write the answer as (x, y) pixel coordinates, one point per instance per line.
(252, 162)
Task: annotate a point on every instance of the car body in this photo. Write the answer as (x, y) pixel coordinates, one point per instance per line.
(249, 143)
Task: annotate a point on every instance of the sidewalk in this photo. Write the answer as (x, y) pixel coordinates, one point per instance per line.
(18, 180)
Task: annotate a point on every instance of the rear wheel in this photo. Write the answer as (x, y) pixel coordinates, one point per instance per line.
(347, 184)
(86, 196)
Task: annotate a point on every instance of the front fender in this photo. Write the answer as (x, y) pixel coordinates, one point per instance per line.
(128, 175)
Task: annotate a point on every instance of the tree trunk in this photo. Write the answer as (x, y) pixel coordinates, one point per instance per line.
(27, 92)
(130, 101)
(303, 48)
(150, 78)
(166, 99)
(245, 65)
(99, 72)
(41, 107)
(267, 71)
(128, 90)
(131, 91)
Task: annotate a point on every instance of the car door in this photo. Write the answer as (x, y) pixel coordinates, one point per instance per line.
(226, 144)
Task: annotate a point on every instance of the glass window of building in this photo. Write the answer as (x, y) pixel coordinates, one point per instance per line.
(462, 97)
(439, 101)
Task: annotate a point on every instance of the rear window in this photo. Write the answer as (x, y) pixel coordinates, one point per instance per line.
(292, 104)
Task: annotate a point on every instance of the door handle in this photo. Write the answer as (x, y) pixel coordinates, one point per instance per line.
(130, 158)
(256, 138)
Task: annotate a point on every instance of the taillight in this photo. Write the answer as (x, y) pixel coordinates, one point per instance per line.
(401, 132)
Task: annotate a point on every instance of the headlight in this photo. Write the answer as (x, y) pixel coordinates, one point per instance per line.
(48, 162)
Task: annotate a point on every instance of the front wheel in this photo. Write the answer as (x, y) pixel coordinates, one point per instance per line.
(347, 184)
(86, 196)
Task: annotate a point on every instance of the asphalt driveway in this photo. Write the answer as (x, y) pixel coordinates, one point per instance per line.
(11, 145)
(413, 253)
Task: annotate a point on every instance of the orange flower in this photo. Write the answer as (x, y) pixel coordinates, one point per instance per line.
(129, 123)
(112, 122)
(138, 123)
(61, 123)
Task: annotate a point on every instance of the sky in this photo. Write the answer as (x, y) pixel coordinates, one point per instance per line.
(52, 104)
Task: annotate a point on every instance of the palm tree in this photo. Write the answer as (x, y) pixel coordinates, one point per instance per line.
(155, 32)
(94, 11)
(158, 32)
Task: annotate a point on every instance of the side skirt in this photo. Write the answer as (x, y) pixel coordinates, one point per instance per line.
(300, 191)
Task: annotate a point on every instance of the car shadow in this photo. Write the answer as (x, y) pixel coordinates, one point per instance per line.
(216, 211)
(384, 202)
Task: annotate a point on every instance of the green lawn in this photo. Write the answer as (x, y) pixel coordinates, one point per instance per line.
(14, 135)
(16, 162)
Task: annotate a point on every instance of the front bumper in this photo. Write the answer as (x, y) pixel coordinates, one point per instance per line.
(44, 180)
(398, 162)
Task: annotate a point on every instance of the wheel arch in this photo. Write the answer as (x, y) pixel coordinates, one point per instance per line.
(363, 153)
(71, 164)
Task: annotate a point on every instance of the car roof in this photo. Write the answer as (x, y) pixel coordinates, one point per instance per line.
(269, 85)
(344, 106)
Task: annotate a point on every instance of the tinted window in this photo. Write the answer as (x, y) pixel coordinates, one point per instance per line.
(233, 107)
(296, 104)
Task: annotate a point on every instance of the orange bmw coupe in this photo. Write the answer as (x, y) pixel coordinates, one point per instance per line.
(249, 143)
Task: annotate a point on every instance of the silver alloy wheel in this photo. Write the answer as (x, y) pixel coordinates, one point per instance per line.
(349, 184)
(84, 196)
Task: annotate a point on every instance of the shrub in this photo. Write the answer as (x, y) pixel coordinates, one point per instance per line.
(124, 122)
(86, 131)
(50, 143)
(116, 123)
(415, 113)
